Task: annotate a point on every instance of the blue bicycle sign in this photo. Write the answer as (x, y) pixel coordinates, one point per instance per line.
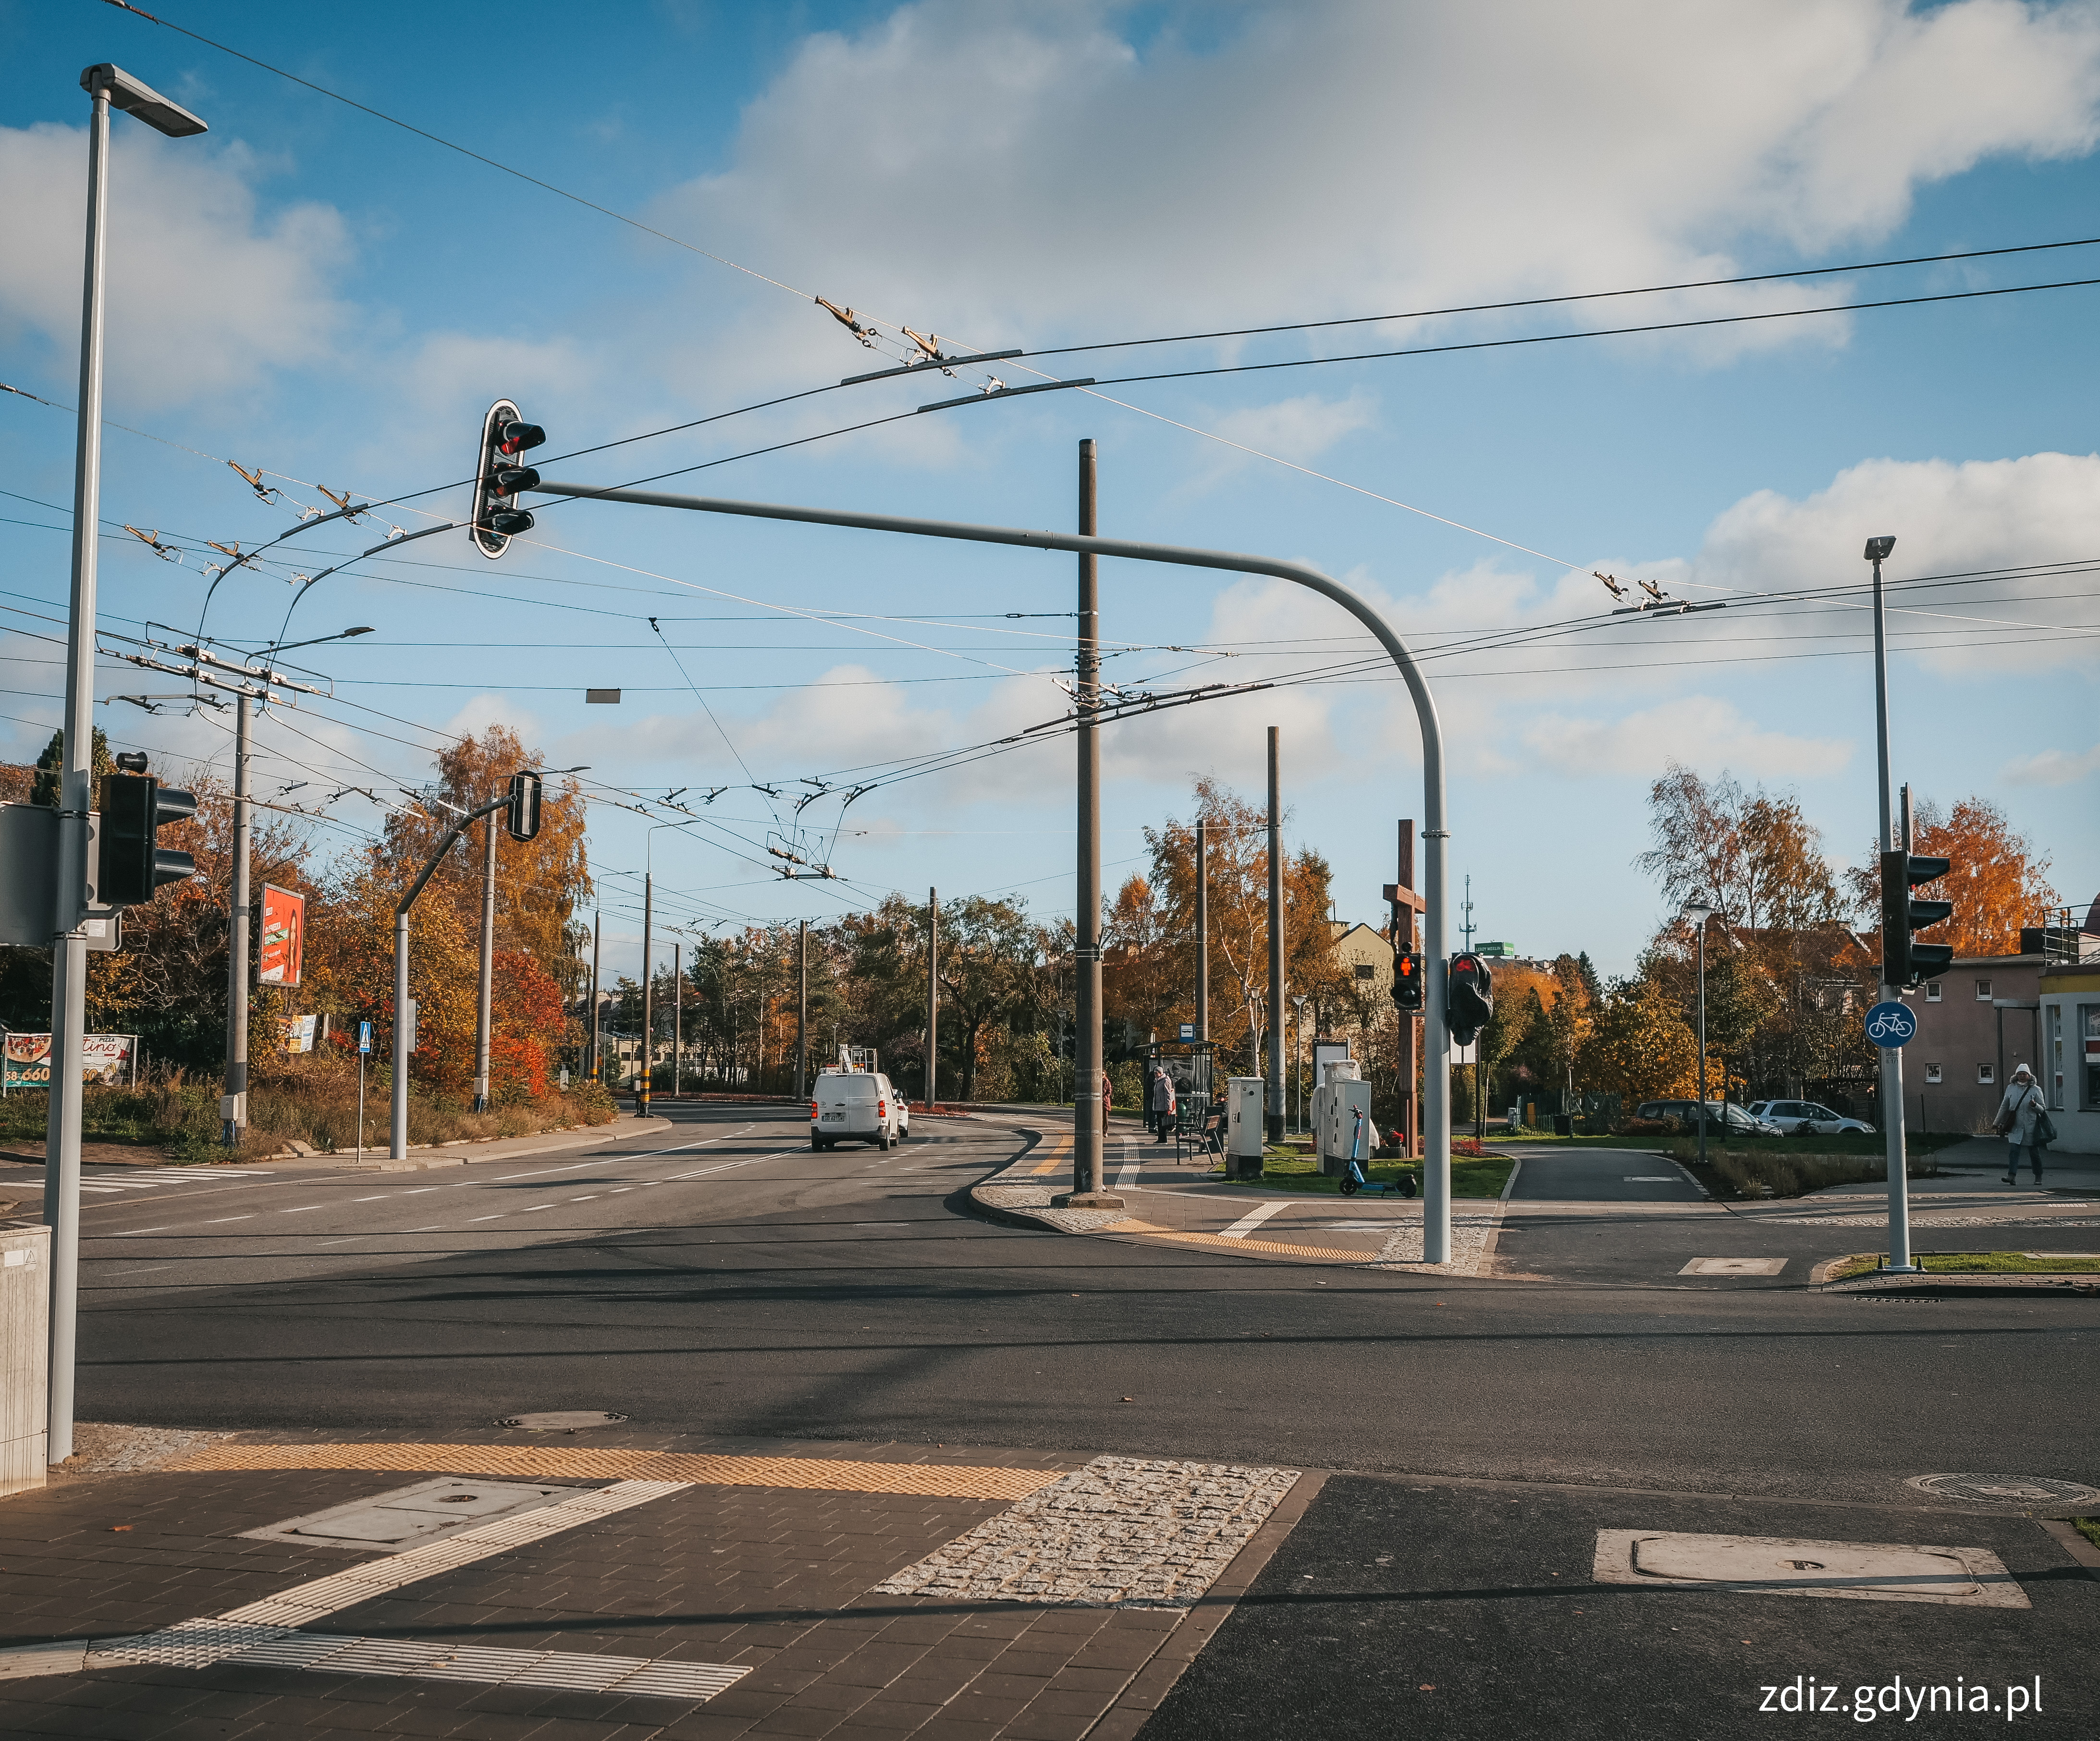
(1890, 1025)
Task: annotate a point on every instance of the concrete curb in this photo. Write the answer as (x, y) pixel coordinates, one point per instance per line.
(486, 1148)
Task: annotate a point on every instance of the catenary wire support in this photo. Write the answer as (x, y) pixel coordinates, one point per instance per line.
(1436, 836)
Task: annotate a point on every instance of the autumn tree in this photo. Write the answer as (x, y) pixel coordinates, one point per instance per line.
(1639, 1047)
(1998, 884)
(1750, 854)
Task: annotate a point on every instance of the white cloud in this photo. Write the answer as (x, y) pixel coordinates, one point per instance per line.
(1700, 731)
(206, 295)
(2052, 767)
(1009, 171)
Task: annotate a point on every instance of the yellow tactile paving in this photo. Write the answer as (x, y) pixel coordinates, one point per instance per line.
(550, 1462)
(1055, 1157)
(1219, 1242)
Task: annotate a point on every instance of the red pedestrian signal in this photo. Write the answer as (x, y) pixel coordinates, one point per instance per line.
(1409, 980)
(1470, 1000)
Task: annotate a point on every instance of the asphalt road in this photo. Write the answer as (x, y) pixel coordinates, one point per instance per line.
(725, 1279)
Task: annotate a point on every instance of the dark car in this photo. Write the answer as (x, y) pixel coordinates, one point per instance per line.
(1735, 1119)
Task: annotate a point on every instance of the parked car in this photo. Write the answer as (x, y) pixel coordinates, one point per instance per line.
(859, 1106)
(1794, 1116)
(1736, 1120)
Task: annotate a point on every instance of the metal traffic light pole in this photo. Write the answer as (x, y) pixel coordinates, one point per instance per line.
(1436, 1160)
(1891, 1082)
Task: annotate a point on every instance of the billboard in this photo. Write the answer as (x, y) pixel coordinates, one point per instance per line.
(284, 948)
(104, 1058)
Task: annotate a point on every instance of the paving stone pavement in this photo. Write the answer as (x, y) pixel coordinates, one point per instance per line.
(790, 1585)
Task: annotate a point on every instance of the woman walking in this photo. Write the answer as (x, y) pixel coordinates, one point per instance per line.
(2019, 1113)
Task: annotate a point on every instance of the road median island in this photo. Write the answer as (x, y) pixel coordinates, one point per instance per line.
(2071, 1274)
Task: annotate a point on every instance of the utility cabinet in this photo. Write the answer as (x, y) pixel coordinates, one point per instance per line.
(1244, 1126)
(1342, 1127)
(26, 1281)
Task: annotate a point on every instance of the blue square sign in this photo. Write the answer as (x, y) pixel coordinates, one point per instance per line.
(364, 1037)
(1187, 1030)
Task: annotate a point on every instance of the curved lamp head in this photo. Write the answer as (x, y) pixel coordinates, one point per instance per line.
(1696, 912)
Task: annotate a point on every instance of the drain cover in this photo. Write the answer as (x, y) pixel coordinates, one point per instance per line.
(2008, 1490)
(562, 1420)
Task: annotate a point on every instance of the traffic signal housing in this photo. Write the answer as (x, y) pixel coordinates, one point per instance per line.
(523, 817)
(1904, 960)
(500, 476)
(1470, 1000)
(1409, 979)
(135, 807)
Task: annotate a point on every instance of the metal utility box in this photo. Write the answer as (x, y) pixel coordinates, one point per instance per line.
(1342, 1127)
(1243, 1126)
(25, 1280)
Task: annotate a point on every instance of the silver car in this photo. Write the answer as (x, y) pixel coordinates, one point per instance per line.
(1795, 1116)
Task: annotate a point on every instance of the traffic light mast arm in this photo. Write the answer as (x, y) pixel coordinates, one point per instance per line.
(445, 846)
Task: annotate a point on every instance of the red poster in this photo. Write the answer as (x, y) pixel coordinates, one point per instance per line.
(283, 938)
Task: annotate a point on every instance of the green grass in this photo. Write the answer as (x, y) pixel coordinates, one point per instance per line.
(1773, 1170)
(1974, 1263)
(1484, 1178)
(1525, 1134)
(2089, 1528)
(1848, 1145)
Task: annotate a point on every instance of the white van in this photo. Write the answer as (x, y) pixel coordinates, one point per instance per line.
(857, 1104)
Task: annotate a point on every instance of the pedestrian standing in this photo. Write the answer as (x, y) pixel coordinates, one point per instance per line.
(2019, 1115)
(1162, 1105)
(1108, 1093)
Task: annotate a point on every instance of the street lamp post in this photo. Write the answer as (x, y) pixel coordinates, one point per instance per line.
(111, 88)
(1877, 552)
(1695, 912)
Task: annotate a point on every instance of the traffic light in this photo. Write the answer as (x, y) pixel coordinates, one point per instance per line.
(1470, 1000)
(522, 817)
(134, 808)
(500, 476)
(1905, 962)
(1407, 979)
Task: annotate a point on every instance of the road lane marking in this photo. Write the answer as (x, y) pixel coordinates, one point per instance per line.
(302, 1209)
(223, 1220)
(372, 1199)
(490, 1217)
(129, 1232)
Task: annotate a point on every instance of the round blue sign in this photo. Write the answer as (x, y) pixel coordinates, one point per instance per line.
(1890, 1025)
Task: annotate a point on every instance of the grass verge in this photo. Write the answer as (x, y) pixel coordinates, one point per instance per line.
(1484, 1178)
(1974, 1263)
(317, 1106)
(1744, 1173)
(2089, 1528)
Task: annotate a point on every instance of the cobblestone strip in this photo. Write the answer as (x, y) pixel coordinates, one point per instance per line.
(1121, 1532)
(549, 1462)
(1036, 1199)
(1470, 1232)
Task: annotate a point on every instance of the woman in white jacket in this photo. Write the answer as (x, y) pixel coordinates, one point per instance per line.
(2018, 1114)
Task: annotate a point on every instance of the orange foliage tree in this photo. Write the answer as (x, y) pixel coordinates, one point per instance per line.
(1998, 884)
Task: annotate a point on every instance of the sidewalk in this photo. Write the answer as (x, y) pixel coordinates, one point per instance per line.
(617, 1583)
(1184, 1204)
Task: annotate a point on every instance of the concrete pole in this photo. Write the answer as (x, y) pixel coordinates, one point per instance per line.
(482, 1006)
(233, 1109)
(802, 1012)
(1702, 1043)
(932, 1071)
(677, 1021)
(1276, 1103)
(1892, 1073)
(1203, 930)
(597, 938)
(1403, 938)
(1087, 1110)
(76, 799)
(404, 1019)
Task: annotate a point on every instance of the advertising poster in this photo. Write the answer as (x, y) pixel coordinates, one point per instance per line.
(299, 1032)
(105, 1058)
(284, 946)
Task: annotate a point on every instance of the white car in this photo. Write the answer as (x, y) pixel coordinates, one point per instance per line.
(859, 1106)
(1794, 1116)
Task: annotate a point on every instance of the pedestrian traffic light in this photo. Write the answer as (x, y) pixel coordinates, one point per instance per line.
(499, 477)
(1471, 999)
(522, 817)
(1904, 961)
(134, 808)
(1407, 979)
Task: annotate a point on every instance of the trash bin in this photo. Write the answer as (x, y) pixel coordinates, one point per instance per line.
(1564, 1123)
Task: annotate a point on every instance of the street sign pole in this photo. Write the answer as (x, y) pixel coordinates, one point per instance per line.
(1892, 1078)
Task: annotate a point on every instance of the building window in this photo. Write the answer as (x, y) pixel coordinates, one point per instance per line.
(1366, 971)
(2088, 1031)
(1982, 991)
(1933, 1073)
(1932, 991)
(2052, 1054)
(1986, 1072)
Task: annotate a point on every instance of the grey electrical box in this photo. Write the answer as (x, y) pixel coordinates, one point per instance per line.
(25, 1280)
(28, 879)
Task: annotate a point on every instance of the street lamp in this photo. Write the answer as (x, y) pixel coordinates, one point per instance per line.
(111, 88)
(1695, 912)
(233, 1101)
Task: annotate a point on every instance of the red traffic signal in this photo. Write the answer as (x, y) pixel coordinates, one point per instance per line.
(497, 518)
(1904, 960)
(1410, 980)
(1471, 999)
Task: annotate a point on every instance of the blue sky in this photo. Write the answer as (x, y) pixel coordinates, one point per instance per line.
(311, 290)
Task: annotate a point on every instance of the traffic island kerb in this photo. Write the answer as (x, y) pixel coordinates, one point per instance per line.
(1088, 1200)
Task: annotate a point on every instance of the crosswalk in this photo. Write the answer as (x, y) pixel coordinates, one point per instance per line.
(153, 1178)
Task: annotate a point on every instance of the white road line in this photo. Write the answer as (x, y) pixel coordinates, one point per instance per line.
(302, 1209)
(419, 1190)
(591, 1198)
(617, 1189)
(530, 1208)
(675, 1149)
(490, 1217)
(129, 1232)
(223, 1220)
(372, 1199)
(147, 1271)
(1252, 1219)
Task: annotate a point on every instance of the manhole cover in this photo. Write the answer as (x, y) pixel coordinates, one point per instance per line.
(562, 1420)
(2007, 1490)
